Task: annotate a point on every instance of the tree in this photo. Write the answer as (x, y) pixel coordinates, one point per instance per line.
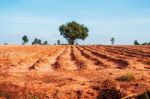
(146, 43)
(112, 40)
(58, 42)
(45, 43)
(39, 42)
(136, 42)
(35, 41)
(5, 43)
(25, 39)
(72, 31)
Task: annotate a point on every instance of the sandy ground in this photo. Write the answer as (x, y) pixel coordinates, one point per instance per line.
(73, 72)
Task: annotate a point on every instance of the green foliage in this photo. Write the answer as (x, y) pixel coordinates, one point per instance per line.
(39, 42)
(45, 43)
(25, 39)
(73, 31)
(112, 40)
(136, 42)
(127, 77)
(5, 43)
(58, 42)
(36, 41)
(146, 43)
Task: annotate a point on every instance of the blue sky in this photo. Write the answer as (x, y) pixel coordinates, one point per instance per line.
(126, 20)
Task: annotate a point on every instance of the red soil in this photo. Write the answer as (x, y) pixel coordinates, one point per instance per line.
(72, 72)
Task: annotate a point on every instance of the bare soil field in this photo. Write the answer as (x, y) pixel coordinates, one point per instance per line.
(73, 72)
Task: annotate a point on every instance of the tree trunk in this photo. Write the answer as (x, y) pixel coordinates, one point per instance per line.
(71, 41)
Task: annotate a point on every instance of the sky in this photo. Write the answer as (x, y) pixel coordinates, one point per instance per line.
(125, 20)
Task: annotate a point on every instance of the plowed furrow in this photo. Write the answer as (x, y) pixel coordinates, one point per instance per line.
(81, 61)
(119, 62)
(64, 61)
(117, 54)
(46, 63)
(120, 54)
(131, 51)
(87, 54)
(24, 62)
(138, 58)
(143, 49)
(113, 52)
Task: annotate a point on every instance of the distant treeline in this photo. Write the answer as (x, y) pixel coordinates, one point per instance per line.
(35, 41)
(137, 43)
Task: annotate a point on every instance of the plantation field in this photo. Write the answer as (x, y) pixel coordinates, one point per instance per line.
(73, 72)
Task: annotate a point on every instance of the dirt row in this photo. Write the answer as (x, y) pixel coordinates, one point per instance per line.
(71, 72)
(139, 61)
(120, 63)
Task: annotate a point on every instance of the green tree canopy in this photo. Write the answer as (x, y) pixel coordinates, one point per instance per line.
(73, 31)
(136, 42)
(45, 43)
(112, 40)
(58, 42)
(37, 41)
(25, 39)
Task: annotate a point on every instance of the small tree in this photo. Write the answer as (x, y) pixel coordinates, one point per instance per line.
(58, 42)
(25, 39)
(5, 43)
(136, 42)
(112, 40)
(72, 31)
(45, 43)
(35, 41)
(144, 43)
(39, 41)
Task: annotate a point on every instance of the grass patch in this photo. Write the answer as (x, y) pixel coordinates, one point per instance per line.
(127, 77)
